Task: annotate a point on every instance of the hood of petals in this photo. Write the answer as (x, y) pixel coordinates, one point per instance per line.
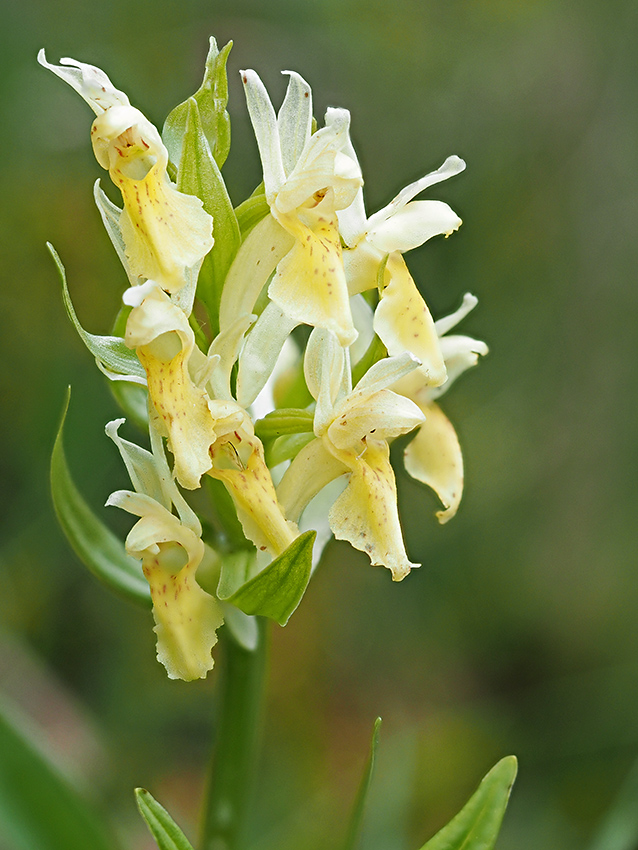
(91, 83)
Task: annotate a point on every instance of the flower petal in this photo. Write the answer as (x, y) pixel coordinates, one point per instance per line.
(310, 284)
(452, 165)
(434, 458)
(366, 513)
(264, 121)
(448, 322)
(403, 322)
(384, 414)
(412, 225)
(294, 120)
(261, 351)
(90, 83)
(311, 470)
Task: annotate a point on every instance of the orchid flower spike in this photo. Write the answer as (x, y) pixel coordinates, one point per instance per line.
(166, 233)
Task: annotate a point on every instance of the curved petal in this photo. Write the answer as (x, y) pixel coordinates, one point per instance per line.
(90, 83)
(366, 513)
(311, 470)
(264, 121)
(413, 225)
(261, 351)
(294, 121)
(384, 414)
(434, 458)
(452, 165)
(403, 322)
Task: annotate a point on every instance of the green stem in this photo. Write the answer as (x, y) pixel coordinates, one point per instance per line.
(231, 779)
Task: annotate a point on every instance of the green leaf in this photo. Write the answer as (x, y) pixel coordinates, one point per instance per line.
(111, 351)
(211, 99)
(287, 420)
(250, 212)
(619, 829)
(161, 825)
(199, 175)
(356, 819)
(286, 447)
(276, 591)
(477, 825)
(95, 545)
(39, 808)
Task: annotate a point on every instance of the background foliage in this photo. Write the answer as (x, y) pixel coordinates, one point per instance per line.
(519, 634)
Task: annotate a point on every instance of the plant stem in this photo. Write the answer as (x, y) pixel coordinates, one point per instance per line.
(232, 772)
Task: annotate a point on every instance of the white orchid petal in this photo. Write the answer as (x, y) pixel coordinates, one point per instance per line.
(448, 322)
(384, 415)
(91, 83)
(259, 355)
(353, 221)
(434, 458)
(140, 464)
(264, 121)
(363, 317)
(384, 373)
(294, 120)
(412, 225)
(324, 367)
(311, 470)
(460, 353)
(453, 165)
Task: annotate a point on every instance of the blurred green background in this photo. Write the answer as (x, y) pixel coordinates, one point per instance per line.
(520, 632)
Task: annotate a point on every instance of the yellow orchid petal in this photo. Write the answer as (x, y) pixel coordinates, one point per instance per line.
(366, 514)
(403, 322)
(186, 617)
(182, 409)
(434, 458)
(310, 284)
(165, 231)
(238, 462)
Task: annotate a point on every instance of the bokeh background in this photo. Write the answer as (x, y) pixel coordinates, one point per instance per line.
(520, 632)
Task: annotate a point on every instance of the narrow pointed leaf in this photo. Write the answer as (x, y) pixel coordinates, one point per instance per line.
(356, 819)
(250, 212)
(619, 829)
(39, 808)
(199, 175)
(276, 591)
(161, 825)
(212, 99)
(477, 825)
(111, 351)
(94, 544)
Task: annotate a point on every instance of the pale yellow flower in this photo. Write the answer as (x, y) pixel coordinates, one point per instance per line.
(353, 428)
(166, 233)
(171, 549)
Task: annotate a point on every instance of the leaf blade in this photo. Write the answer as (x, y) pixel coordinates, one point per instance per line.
(39, 808)
(95, 545)
(161, 825)
(477, 825)
(277, 590)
